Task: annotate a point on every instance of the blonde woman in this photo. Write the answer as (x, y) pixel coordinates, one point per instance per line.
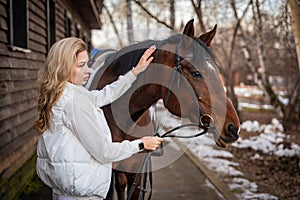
(75, 150)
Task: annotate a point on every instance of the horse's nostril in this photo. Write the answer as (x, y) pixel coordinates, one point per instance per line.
(232, 130)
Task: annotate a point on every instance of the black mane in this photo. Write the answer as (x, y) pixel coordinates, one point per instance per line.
(123, 60)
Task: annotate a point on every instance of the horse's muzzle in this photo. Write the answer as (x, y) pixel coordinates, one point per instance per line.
(231, 135)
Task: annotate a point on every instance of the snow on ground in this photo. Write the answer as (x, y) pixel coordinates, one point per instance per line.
(248, 91)
(255, 106)
(269, 141)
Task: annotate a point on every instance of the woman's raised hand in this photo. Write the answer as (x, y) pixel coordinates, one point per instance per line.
(144, 61)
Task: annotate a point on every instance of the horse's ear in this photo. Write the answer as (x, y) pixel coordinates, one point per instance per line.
(208, 36)
(189, 29)
(189, 32)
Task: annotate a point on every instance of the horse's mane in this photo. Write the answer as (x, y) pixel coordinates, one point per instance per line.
(127, 57)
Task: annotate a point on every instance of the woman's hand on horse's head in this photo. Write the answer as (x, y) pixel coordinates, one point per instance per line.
(144, 61)
(151, 143)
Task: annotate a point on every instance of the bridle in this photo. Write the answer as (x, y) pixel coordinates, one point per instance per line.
(203, 117)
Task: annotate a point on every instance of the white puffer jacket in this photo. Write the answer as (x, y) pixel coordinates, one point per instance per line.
(75, 155)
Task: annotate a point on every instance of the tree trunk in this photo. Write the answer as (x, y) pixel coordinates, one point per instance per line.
(292, 116)
(172, 13)
(129, 22)
(295, 15)
(292, 111)
(263, 72)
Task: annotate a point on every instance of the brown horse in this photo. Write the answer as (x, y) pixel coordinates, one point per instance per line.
(184, 75)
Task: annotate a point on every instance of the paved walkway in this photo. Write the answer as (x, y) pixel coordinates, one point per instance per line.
(187, 178)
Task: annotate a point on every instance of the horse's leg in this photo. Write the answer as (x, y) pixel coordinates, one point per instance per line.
(130, 179)
(131, 164)
(120, 185)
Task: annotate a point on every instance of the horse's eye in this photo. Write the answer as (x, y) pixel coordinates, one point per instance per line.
(196, 74)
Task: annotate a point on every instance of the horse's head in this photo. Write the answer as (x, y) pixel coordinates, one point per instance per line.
(183, 74)
(194, 88)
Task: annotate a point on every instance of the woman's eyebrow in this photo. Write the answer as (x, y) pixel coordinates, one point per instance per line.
(82, 62)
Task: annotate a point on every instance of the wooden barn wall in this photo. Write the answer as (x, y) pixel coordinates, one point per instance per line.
(18, 91)
(61, 8)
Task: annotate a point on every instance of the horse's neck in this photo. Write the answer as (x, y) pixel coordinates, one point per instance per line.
(144, 96)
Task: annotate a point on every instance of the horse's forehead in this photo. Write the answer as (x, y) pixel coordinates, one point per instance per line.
(201, 61)
(210, 66)
(195, 52)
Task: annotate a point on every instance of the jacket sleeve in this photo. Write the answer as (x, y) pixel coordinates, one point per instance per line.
(114, 90)
(89, 125)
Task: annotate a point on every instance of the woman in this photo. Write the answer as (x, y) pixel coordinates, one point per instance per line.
(75, 150)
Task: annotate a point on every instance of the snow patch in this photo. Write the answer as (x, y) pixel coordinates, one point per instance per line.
(269, 140)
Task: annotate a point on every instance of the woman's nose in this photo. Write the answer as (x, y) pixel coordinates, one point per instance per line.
(87, 69)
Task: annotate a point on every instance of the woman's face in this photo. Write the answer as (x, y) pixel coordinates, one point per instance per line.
(81, 72)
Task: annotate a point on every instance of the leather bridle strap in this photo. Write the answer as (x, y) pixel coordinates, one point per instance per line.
(178, 70)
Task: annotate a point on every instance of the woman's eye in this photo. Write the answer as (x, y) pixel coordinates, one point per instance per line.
(196, 74)
(82, 65)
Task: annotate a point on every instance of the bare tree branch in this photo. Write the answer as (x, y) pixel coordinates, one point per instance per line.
(237, 27)
(113, 24)
(151, 15)
(230, 80)
(198, 11)
(261, 59)
(261, 78)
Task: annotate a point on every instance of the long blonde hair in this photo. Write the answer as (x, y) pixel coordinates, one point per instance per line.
(52, 78)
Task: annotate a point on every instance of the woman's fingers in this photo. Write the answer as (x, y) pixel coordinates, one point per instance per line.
(156, 143)
(145, 60)
(149, 51)
(147, 54)
(149, 60)
(151, 143)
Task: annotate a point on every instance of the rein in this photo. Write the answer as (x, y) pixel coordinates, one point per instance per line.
(147, 164)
